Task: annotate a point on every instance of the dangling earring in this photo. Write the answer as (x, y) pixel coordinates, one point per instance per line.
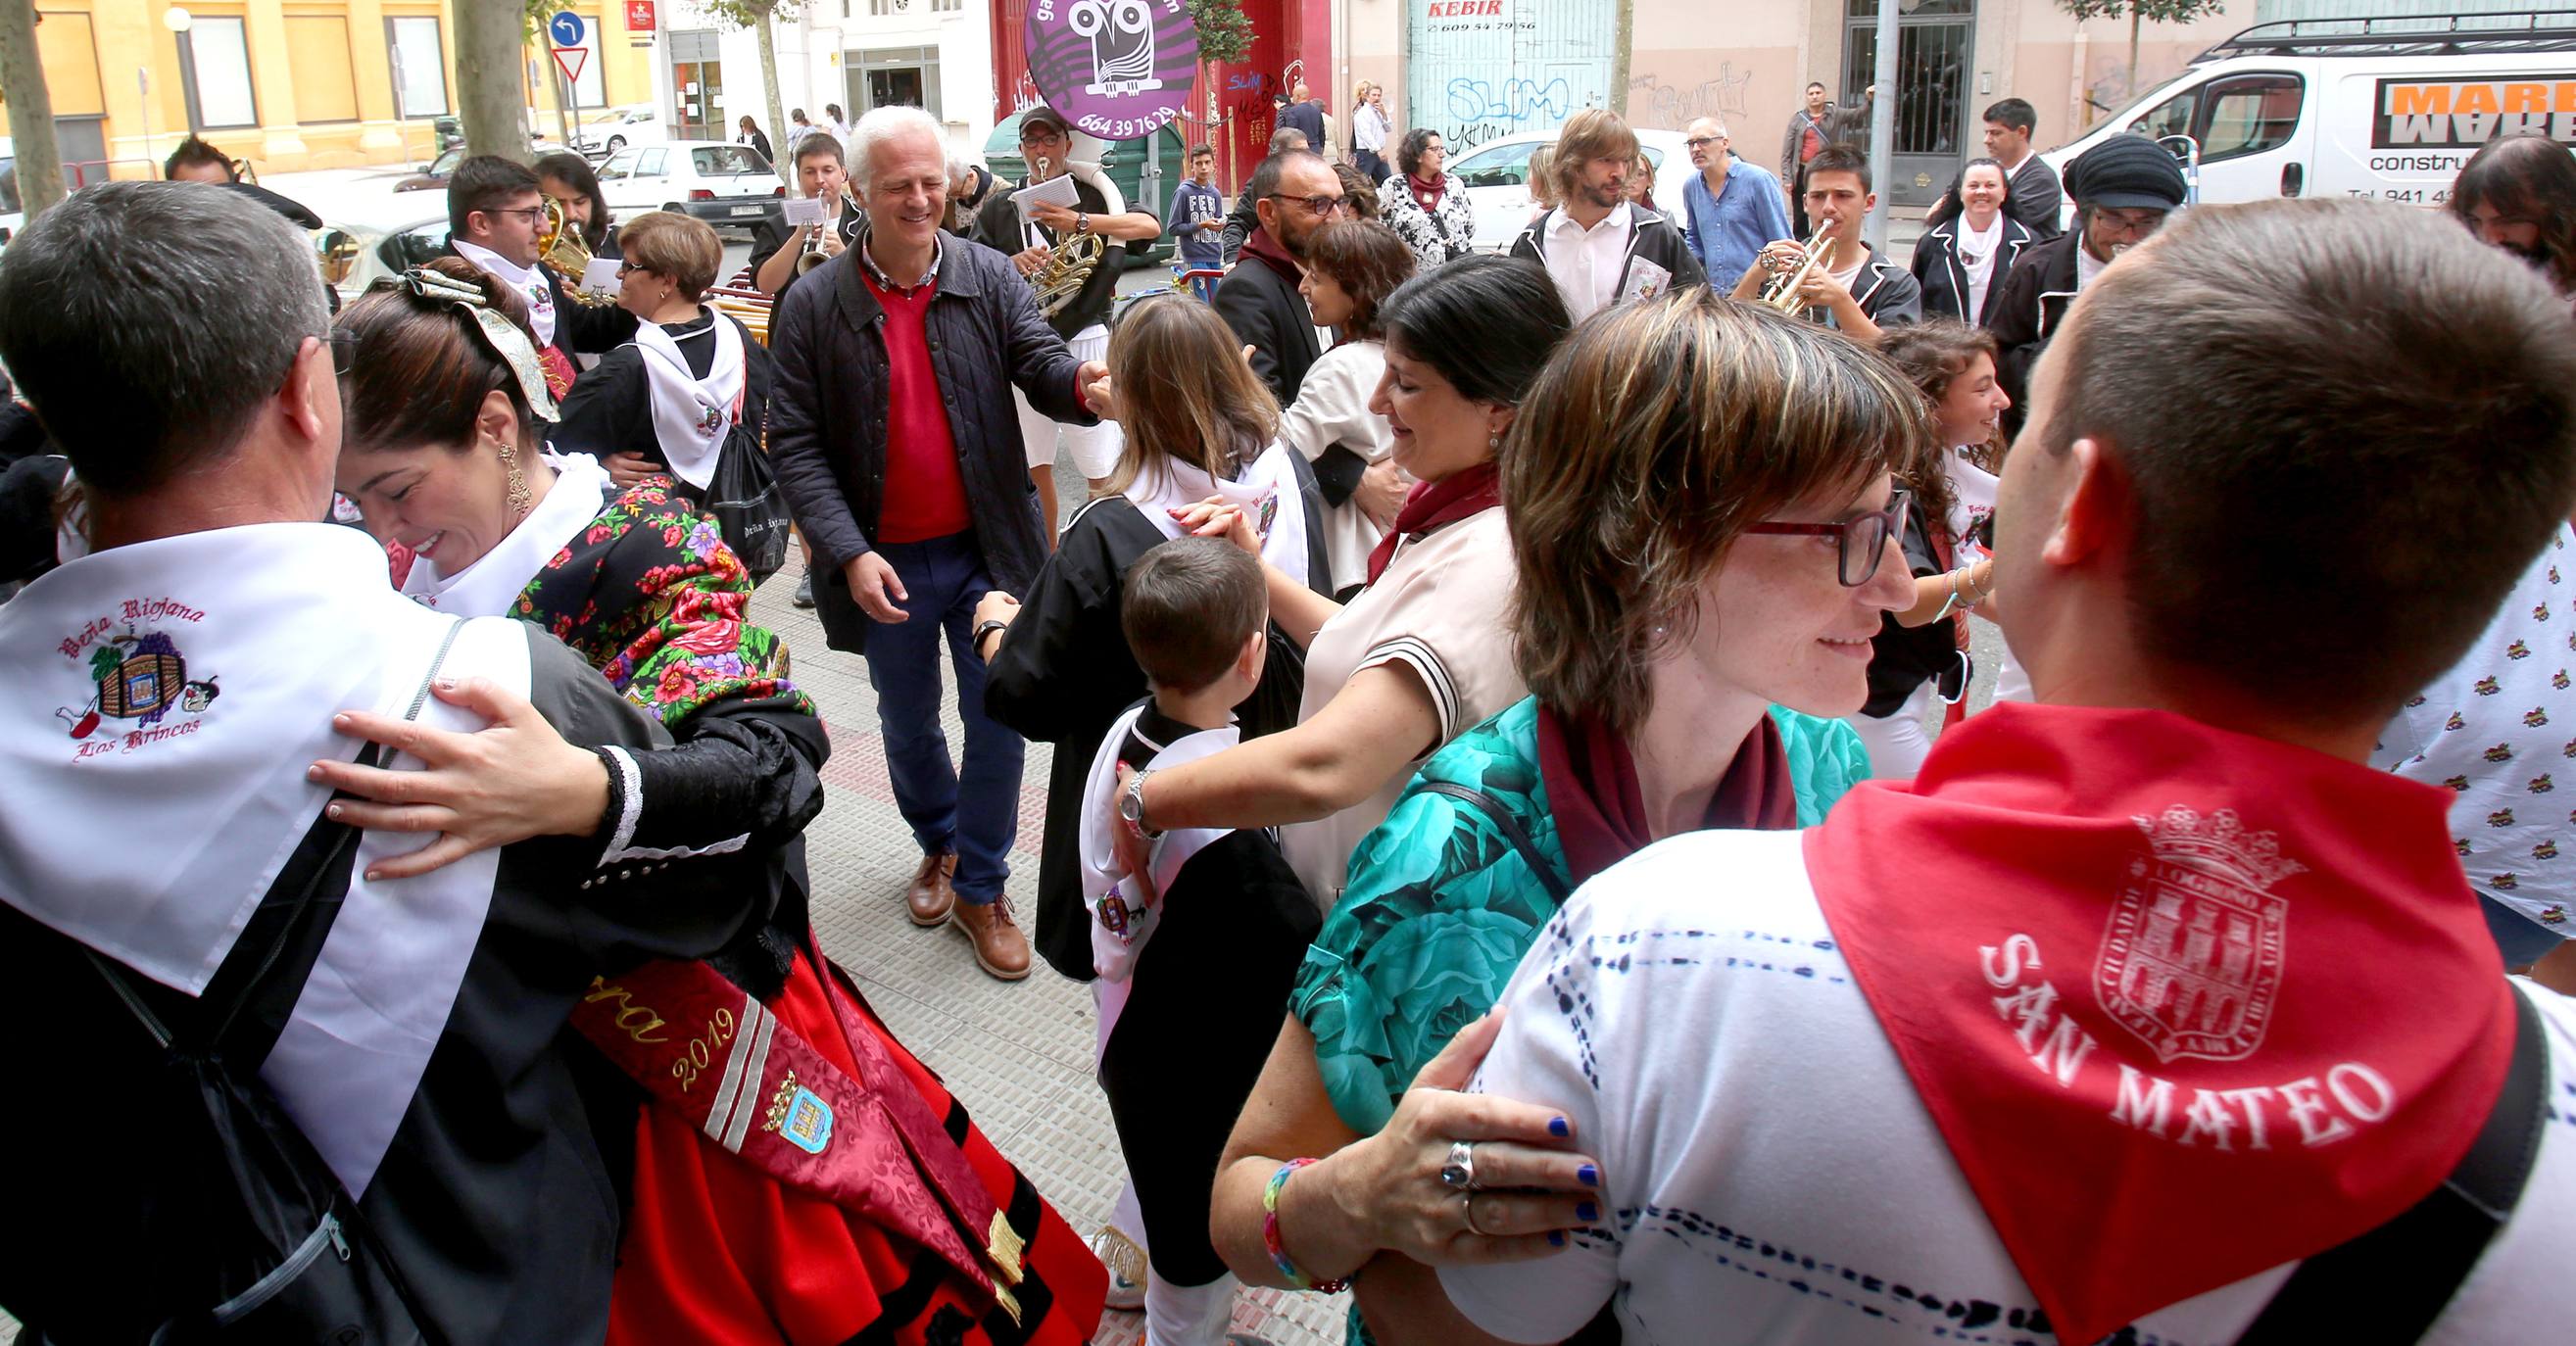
(1493, 443)
(518, 497)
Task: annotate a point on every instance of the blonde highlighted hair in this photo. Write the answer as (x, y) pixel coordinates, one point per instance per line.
(1656, 434)
(1184, 392)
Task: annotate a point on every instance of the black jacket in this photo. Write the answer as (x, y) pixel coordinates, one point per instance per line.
(1651, 235)
(827, 435)
(610, 407)
(580, 329)
(1309, 118)
(1002, 226)
(1944, 278)
(2033, 196)
(1064, 674)
(1239, 225)
(2024, 312)
(774, 232)
(1267, 314)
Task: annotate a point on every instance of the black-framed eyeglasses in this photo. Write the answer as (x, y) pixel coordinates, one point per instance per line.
(534, 215)
(1321, 207)
(1860, 543)
(344, 351)
(625, 269)
(1702, 142)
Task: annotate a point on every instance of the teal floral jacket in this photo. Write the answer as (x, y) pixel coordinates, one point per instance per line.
(1440, 909)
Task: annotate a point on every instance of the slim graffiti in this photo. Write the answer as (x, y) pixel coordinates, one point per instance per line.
(1513, 100)
(1652, 102)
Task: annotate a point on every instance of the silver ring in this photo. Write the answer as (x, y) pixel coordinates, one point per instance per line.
(1467, 1207)
(1459, 1174)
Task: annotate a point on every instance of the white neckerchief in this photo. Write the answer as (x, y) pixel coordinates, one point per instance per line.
(1114, 954)
(488, 586)
(691, 416)
(1976, 251)
(152, 818)
(529, 281)
(1266, 488)
(2087, 266)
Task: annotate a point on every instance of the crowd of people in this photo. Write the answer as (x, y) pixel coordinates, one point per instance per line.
(1495, 796)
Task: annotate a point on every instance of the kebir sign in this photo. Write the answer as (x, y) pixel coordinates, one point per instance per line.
(1119, 69)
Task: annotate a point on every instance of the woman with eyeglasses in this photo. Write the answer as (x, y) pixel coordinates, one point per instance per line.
(1701, 518)
(668, 401)
(746, 1230)
(1425, 202)
(1921, 652)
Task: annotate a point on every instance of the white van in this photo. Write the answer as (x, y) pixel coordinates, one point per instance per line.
(2386, 107)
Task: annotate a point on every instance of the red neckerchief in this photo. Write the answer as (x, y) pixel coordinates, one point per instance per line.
(1600, 816)
(1260, 243)
(1434, 503)
(2186, 1004)
(1426, 194)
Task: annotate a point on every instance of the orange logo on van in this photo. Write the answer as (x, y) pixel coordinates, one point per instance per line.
(2467, 113)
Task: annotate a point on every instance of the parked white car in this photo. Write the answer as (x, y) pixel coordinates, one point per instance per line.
(1496, 175)
(2387, 107)
(724, 184)
(603, 135)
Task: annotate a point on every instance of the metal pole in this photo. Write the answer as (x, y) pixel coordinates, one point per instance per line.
(1882, 127)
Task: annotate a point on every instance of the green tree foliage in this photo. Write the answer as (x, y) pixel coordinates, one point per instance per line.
(2141, 13)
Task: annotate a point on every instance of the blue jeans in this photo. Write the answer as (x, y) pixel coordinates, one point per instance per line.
(974, 812)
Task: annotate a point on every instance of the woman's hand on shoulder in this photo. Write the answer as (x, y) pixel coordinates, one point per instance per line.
(629, 470)
(1529, 1184)
(513, 779)
(1216, 517)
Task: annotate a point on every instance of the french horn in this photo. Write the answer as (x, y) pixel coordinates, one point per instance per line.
(561, 248)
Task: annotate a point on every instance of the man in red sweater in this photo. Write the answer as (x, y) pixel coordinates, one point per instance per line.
(898, 447)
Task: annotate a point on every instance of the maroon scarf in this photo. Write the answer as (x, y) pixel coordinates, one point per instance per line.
(1427, 194)
(1262, 244)
(1601, 817)
(1434, 503)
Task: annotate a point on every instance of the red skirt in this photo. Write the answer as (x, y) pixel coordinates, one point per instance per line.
(717, 1253)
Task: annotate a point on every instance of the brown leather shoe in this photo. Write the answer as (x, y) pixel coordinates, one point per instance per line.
(929, 895)
(999, 946)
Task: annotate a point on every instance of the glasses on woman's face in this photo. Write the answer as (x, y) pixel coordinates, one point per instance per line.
(625, 269)
(1860, 543)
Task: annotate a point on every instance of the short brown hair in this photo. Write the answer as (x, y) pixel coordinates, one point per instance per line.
(1184, 392)
(1656, 434)
(820, 143)
(681, 247)
(1593, 133)
(1359, 195)
(2326, 512)
(1188, 606)
(1368, 260)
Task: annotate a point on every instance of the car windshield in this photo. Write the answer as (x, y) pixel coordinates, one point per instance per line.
(445, 164)
(715, 159)
(619, 165)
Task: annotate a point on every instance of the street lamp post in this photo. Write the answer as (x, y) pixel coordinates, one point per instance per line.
(178, 20)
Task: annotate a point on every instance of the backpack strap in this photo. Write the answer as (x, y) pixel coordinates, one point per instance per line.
(2415, 1263)
(1510, 827)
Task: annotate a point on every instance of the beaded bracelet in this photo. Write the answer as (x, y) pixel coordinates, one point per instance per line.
(1270, 1234)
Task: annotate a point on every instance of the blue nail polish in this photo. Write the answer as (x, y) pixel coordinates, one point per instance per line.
(1556, 1238)
(1587, 1212)
(1559, 1128)
(1588, 1176)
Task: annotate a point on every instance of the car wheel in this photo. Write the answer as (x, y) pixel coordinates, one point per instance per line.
(616, 143)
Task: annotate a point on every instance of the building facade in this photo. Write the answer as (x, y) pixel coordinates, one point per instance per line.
(293, 84)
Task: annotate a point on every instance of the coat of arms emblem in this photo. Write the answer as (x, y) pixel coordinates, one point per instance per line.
(2192, 960)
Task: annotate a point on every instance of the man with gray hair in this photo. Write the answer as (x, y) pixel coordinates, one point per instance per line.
(180, 904)
(899, 451)
(1731, 209)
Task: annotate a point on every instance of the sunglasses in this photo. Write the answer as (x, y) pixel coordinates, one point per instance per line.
(1860, 543)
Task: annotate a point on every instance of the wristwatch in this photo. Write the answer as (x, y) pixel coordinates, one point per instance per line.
(1081, 222)
(1131, 807)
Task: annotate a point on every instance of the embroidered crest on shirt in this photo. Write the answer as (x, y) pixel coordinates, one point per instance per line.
(141, 677)
(2191, 963)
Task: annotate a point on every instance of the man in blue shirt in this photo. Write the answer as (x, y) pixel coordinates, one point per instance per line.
(1731, 209)
(1198, 214)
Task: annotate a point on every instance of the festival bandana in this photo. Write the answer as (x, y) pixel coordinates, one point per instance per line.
(691, 416)
(1265, 489)
(2187, 1005)
(1124, 913)
(1457, 496)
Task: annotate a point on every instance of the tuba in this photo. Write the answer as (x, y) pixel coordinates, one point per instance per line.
(560, 248)
(1070, 262)
(812, 256)
(1780, 293)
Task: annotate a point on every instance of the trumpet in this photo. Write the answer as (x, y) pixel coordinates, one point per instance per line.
(1781, 291)
(812, 256)
(561, 248)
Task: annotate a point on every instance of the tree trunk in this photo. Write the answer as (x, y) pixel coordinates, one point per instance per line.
(2135, 20)
(31, 108)
(490, 101)
(786, 164)
(1626, 38)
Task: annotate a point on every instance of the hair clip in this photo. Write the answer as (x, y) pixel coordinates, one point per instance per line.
(502, 335)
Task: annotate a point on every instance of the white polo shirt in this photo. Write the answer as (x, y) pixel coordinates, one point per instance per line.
(1585, 263)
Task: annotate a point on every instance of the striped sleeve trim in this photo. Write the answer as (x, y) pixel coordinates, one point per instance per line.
(1425, 663)
(630, 803)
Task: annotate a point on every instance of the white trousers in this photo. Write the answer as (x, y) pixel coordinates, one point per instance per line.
(1095, 448)
(1898, 743)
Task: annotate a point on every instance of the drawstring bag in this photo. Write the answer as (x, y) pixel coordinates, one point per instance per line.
(744, 499)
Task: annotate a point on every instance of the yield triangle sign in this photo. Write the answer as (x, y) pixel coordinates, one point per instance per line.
(568, 60)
